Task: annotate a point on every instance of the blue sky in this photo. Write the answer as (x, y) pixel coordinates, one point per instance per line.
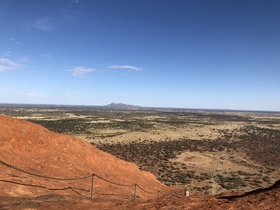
(215, 54)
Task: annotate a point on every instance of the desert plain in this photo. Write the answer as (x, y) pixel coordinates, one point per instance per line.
(202, 151)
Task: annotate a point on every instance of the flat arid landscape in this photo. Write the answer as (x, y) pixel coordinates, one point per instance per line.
(207, 152)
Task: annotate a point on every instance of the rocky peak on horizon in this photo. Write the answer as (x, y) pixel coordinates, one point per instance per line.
(122, 105)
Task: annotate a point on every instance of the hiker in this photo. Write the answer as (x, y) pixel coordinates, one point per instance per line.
(187, 193)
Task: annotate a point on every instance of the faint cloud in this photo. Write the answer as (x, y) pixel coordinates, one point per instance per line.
(69, 95)
(72, 94)
(129, 68)
(77, 2)
(7, 65)
(11, 39)
(14, 41)
(70, 13)
(81, 71)
(24, 59)
(46, 55)
(35, 95)
(44, 24)
(70, 17)
(6, 54)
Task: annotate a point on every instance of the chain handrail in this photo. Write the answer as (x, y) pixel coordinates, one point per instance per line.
(106, 180)
(76, 178)
(31, 185)
(145, 190)
(42, 176)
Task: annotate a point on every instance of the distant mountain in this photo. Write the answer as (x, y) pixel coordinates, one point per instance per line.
(122, 106)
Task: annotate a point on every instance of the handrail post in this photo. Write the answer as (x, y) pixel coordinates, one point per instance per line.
(92, 186)
(134, 199)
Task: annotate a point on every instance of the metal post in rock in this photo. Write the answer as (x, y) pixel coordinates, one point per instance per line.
(135, 186)
(92, 186)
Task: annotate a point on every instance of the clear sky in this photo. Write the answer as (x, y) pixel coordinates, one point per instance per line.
(211, 54)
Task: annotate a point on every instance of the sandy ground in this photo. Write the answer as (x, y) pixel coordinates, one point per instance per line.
(162, 132)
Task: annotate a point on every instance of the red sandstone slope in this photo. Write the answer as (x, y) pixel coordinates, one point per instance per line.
(35, 149)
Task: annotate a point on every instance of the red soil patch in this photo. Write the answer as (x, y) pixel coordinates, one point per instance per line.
(189, 158)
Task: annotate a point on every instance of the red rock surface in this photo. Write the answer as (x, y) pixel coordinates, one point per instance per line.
(35, 149)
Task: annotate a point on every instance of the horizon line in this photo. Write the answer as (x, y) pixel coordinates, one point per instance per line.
(141, 107)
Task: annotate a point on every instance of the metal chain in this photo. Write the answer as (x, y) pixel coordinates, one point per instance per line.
(77, 178)
(145, 190)
(106, 180)
(41, 176)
